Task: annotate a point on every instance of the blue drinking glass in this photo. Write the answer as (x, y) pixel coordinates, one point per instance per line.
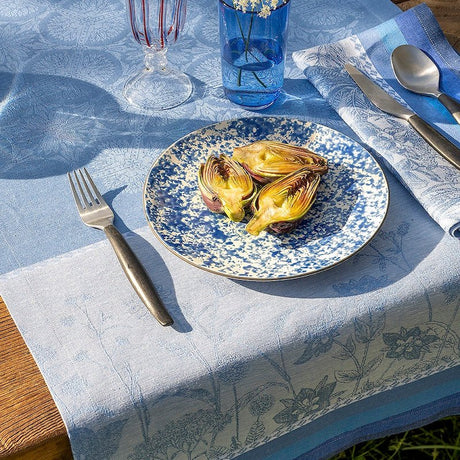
(253, 50)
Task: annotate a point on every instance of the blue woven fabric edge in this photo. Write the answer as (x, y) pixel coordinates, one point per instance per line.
(397, 424)
(399, 409)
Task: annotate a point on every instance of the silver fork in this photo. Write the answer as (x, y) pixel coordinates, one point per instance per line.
(95, 212)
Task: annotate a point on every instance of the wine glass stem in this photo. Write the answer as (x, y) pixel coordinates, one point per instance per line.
(155, 60)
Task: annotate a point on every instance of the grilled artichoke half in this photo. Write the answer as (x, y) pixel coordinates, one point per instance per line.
(282, 204)
(269, 160)
(225, 186)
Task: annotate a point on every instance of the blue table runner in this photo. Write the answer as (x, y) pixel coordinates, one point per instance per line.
(247, 365)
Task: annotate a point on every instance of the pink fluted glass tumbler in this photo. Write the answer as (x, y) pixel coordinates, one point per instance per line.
(157, 24)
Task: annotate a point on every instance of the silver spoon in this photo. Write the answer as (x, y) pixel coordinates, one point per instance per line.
(416, 72)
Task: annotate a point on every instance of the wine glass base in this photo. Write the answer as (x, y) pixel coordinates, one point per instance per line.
(156, 90)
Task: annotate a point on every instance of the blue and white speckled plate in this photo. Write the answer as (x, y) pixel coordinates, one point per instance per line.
(351, 204)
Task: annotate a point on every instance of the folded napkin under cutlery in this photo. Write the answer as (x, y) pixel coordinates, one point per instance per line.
(431, 179)
(385, 102)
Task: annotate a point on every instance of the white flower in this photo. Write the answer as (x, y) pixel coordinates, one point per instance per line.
(264, 12)
(262, 7)
(243, 5)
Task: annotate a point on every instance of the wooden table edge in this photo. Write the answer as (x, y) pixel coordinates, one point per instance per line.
(31, 426)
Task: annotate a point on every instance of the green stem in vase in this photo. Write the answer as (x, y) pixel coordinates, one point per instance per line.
(246, 49)
(258, 79)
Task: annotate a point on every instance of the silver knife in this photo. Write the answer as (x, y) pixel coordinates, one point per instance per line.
(388, 104)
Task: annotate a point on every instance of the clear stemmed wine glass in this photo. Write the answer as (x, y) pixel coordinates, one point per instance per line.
(155, 25)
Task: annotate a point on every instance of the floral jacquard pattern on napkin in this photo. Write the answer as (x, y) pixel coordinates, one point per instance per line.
(433, 181)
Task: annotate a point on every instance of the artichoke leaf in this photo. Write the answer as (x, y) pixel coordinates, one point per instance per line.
(225, 186)
(268, 160)
(281, 205)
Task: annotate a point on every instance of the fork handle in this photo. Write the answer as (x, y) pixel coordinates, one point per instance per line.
(138, 276)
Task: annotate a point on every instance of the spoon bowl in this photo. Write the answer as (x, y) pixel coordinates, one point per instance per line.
(416, 72)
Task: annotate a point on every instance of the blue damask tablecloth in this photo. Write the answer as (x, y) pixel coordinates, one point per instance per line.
(272, 370)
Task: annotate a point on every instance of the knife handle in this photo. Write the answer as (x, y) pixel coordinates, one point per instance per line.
(448, 150)
(451, 105)
(138, 276)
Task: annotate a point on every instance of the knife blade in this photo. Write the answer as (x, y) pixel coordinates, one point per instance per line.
(382, 100)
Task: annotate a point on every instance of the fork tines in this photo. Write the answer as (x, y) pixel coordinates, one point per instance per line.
(88, 198)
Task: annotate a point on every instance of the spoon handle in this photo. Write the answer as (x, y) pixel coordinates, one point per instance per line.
(448, 150)
(451, 105)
